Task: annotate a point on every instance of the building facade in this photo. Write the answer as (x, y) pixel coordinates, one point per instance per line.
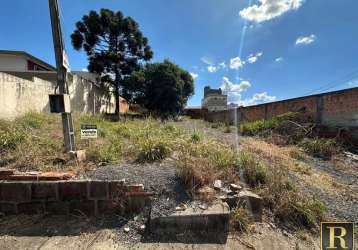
(214, 100)
(26, 82)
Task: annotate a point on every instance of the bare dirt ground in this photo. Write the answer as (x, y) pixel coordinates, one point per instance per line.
(334, 182)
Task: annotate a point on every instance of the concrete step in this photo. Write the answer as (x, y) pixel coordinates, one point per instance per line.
(215, 219)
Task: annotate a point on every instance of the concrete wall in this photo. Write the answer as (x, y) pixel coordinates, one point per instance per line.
(19, 95)
(12, 63)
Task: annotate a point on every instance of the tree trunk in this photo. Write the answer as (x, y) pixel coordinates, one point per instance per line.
(117, 108)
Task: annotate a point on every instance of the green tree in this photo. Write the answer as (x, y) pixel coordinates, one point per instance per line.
(162, 88)
(114, 45)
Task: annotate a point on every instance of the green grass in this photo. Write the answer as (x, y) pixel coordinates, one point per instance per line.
(320, 147)
(263, 127)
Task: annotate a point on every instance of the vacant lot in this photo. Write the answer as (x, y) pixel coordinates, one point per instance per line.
(174, 159)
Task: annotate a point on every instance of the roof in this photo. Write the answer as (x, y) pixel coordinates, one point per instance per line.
(27, 55)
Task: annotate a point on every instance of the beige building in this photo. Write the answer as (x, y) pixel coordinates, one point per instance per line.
(214, 100)
(26, 82)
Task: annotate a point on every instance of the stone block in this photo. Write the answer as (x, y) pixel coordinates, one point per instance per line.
(15, 191)
(109, 206)
(116, 189)
(98, 190)
(214, 219)
(44, 190)
(82, 207)
(57, 207)
(8, 208)
(31, 208)
(72, 190)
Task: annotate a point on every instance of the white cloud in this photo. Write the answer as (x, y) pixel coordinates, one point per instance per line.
(258, 98)
(236, 63)
(85, 69)
(305, 39)
(212, 69)
(279, 59)
(269, 9)
(222, 65)
(233, 90)
(253, 58)
(194, 75)
(207, 60)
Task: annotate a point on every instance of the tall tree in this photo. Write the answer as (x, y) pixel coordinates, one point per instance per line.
(114, 45)
(163, 88)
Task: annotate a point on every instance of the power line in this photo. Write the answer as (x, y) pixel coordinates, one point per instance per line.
(352, 75)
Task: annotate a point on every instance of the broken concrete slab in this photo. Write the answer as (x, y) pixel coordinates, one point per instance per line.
(235, 187)
(213, 219)
(218, 184)
(247, 199)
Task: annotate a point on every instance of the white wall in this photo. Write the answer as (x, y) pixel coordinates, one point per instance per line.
(12, 63)
(18, 96)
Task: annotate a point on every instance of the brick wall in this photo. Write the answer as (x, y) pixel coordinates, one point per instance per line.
(64, 197)
(332, 109)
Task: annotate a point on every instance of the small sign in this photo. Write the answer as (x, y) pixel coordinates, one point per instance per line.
(88, 131)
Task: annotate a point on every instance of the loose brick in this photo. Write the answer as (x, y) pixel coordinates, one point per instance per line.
(44, 190)
(72, 190)
(8, 208)
(135, 188)
(31, 208)
(15, 191)
(57, 207)
(84, 206)
(98, 190)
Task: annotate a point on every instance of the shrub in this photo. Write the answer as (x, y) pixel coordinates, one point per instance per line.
(320, 147)
(151, 150)
(10, 135)
(299, 211)
(287, 125)
(196, 136)
(239, 220)
(254, 172)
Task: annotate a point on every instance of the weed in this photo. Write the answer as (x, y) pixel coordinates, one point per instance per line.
(254, 172)
(151, 149)
(240, 220)
(196, 136)
(320, 147)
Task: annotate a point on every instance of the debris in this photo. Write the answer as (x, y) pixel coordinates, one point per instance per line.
(218, 184)
(203, 206)
(205, 192)
(235, 187)
(142, 227)
(227, 191)
(181, 207)
(126, 229)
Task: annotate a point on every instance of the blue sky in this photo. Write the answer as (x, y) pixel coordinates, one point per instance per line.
(289, 48)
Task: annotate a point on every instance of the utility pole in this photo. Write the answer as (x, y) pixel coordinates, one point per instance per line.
(62, 69)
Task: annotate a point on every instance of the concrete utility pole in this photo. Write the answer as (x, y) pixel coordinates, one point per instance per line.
(62, 68)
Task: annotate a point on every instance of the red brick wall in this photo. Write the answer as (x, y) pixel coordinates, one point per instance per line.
(332, 109)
